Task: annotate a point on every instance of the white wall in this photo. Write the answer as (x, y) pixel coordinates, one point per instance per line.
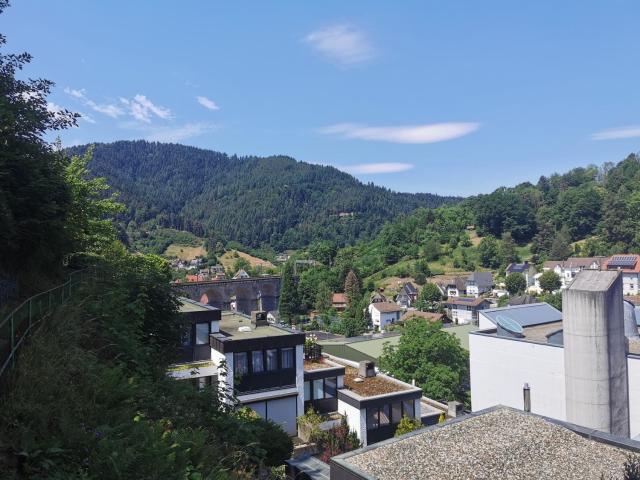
(483, 322)
(300, 378)
(460, 315)
(633, 369)
(500, 367)
(630, 283)
(356, 419)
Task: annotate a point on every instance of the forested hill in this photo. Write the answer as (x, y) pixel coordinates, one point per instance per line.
(257, 201)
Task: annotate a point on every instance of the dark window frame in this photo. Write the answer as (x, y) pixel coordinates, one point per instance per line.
(392, 419)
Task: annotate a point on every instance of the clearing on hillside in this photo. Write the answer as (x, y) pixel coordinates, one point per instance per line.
(229, 258)
(184, 252)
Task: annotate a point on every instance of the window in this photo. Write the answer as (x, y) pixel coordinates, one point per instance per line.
(272, 360)
(318, 389)
(330, 387)
(407, 406)
(287, 357)
(202, 333)
(372, 418)
(396, 412)
(384, 415)
(307, 391)
(240, 366)
(257, 360)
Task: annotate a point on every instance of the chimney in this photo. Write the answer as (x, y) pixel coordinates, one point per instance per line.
(366, 368)
(259, 318)
(595, 352)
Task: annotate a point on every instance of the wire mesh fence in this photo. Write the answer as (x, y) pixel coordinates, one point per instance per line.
(26, 318)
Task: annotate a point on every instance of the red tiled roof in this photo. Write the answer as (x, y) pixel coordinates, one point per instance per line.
(339, 298)
(635, 269)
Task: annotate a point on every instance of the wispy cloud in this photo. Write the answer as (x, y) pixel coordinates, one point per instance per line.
(139, 107)
(437, 132)
(374, 168)
(631, 131)
(179, 133)
(110, 110)
(143, 109)
(207, 103)
(341, 43)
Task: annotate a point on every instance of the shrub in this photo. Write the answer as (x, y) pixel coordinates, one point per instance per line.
(407, 425)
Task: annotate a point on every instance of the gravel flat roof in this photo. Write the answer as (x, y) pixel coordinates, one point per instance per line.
(500, 444)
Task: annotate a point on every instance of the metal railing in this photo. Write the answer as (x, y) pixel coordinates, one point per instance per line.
(24, 319)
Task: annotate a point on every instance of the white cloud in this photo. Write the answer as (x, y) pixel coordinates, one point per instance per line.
(54, 107)
(110, 110)
(139, 107)
(207, 103)
(341, 43)
(437, 132)
(373, 168)
(179, 133)
(87, 118)
(632, 131)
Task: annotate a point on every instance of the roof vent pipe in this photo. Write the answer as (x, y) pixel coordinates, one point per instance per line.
(526, 393)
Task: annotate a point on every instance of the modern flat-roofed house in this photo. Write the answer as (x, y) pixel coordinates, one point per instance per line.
(580, 365)
(629, 265)
(263, 363)
(526, 269)
(464, 310)
(384, 313)
(569, 268)
(479, 283)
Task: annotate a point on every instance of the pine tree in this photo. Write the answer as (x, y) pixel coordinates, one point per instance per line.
(352, 290)
(561, 246)
(289, 301)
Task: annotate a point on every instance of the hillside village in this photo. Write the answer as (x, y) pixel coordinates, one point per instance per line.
(385, 308)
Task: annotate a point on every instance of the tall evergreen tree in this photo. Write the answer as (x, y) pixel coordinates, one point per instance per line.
(289, 298)
(561, 246)
(352, 290)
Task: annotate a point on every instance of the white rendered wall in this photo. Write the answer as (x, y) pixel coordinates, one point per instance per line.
(356, 419)
(633, 367)
(462, 316)
(300, 378)
(484, 322)
(630, 284)
(500, 367)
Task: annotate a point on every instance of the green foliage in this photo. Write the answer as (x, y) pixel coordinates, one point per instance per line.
(550, 281)
(553, 299)
(431, 357)
(488, 252)
(107, 408)
(561, 245)
(337, 440)
(429, 298)
(352, 292)
(515, 283)
(507, 250)
(407, 425)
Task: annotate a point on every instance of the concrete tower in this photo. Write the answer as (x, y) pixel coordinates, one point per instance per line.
(595, 352)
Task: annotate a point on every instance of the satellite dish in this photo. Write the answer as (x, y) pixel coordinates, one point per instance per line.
(510, 325)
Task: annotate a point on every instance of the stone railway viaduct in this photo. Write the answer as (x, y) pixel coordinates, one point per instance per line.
(259, 293)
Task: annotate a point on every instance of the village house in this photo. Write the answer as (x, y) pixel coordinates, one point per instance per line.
(241, 274)
(569, 268)
(339, 302)
(526, 269)
(465, 310)
(452, 287)
(383, 314)
(629, 265)
(407, 296)
(479, 283)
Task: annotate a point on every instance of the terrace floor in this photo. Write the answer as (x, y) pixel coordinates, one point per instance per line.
(371, 386)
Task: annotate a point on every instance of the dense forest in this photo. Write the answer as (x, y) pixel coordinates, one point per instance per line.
(273, 201)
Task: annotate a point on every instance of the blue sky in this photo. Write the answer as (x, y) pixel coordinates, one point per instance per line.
(444, 97)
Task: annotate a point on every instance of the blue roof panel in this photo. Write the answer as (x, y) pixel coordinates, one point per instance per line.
(525, 315)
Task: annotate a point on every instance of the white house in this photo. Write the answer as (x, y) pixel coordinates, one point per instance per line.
(569, 268)
(629, 265)
(479, 283)
(465, 310)
(530, 344)
(384, 313)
